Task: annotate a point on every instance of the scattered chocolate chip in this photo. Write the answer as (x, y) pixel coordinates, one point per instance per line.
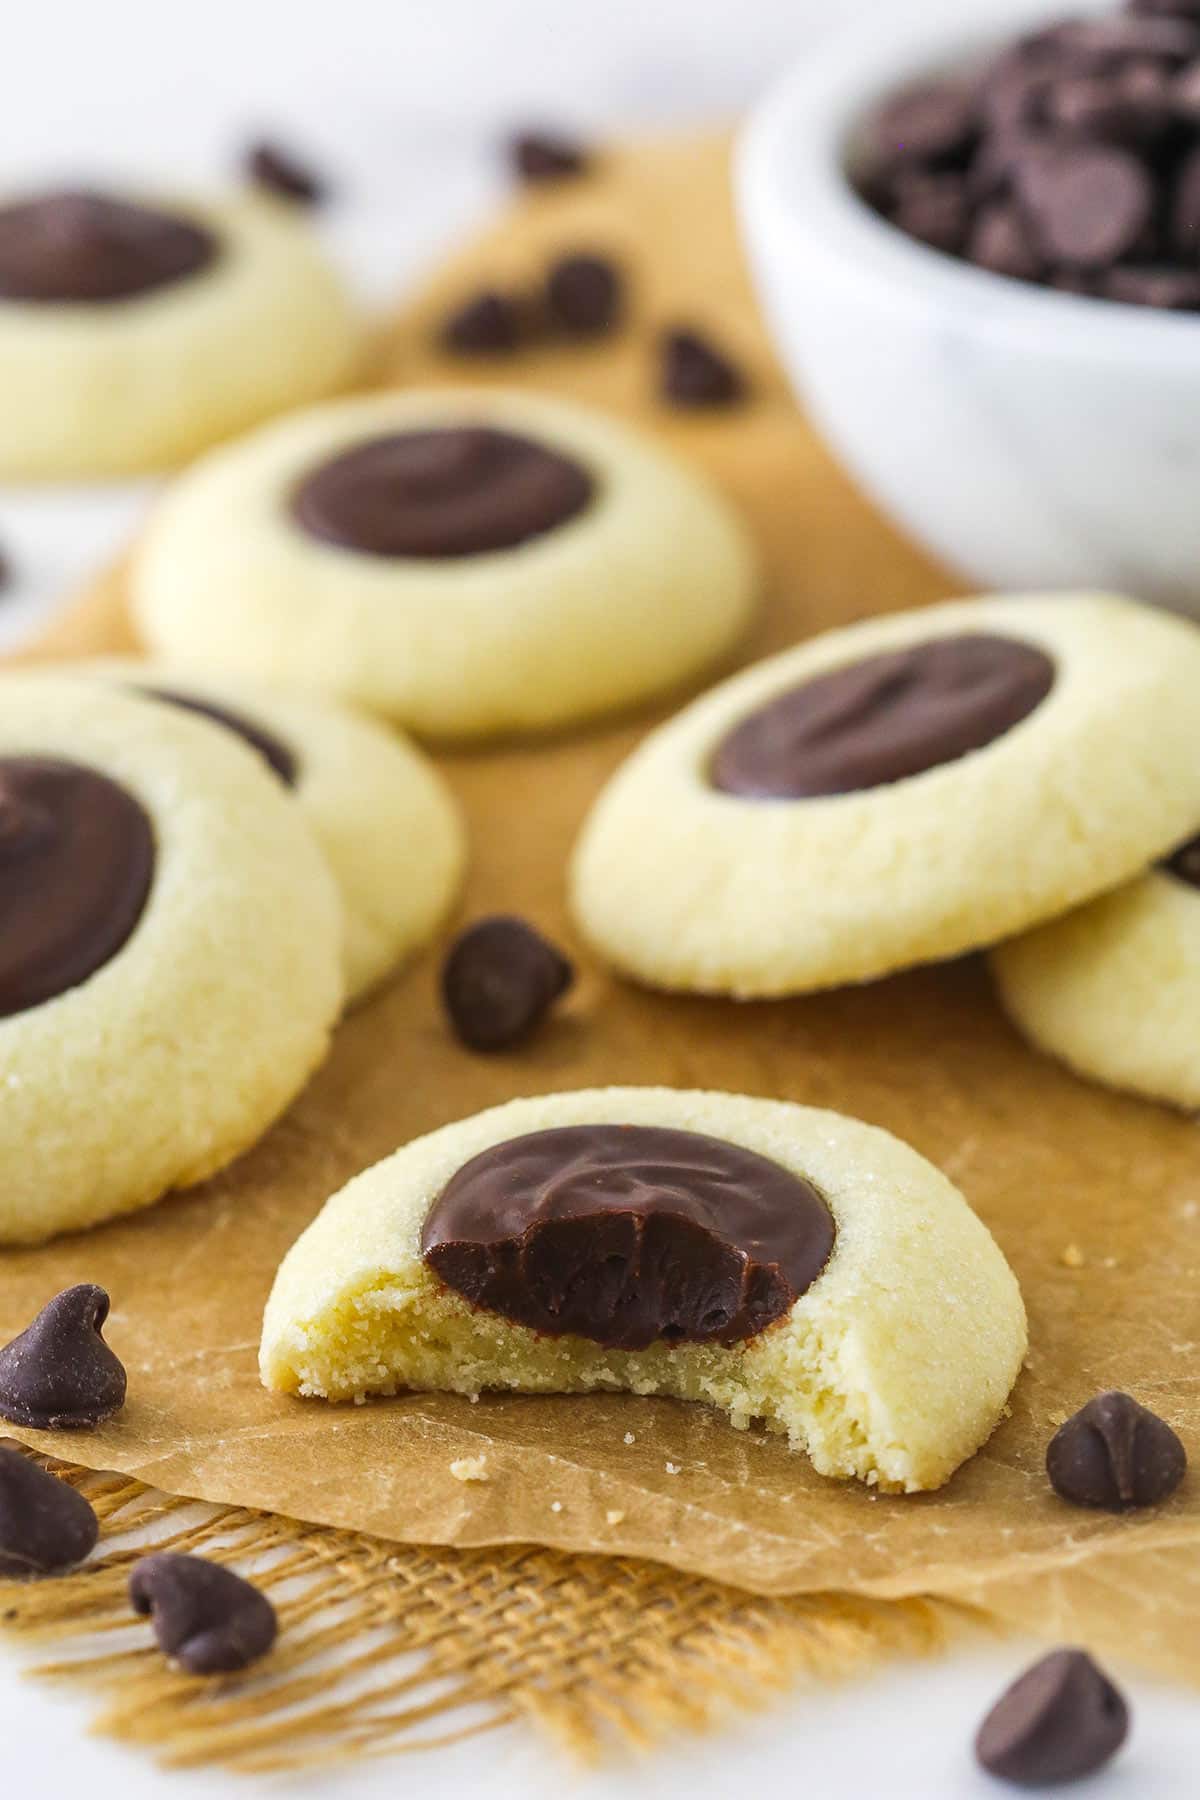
(1115, 1454)
(269, 165)
(44, 1524)
(60, 1374)
(499, 980)
(695, 373)
(545, 156)
(1184, 863)
(583, 295)
(1060, 1720)
(206, 1618)
(489, 324)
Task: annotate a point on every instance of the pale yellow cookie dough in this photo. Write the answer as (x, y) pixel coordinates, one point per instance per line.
(685, 887)
(642, 589)
(381, 813)
(894, 1366)
(126, 386)
(178, 1052)
(1113, 989)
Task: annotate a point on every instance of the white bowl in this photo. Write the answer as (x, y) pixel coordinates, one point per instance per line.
(1029, 438)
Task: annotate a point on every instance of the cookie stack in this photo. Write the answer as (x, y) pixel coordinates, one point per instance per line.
(923, 785)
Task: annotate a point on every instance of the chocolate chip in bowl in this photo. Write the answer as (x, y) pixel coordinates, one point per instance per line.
(584, 294)
(1073, 149)
(971, 237)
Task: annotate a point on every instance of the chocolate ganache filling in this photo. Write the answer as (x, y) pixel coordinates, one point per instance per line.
(884, 718)
(462, 490)
(629, 1235)
(274, 752)
(86, 248)
(76, 864)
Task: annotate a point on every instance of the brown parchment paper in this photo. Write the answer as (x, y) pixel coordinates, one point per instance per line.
(1094, 1198)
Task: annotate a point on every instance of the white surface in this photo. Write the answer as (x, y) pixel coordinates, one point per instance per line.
(1032, 439)
(401, 99)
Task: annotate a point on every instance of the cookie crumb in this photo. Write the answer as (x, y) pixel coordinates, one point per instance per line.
(470, 1468)
(1072, 1257)
(614, 1516)
(629, 1438)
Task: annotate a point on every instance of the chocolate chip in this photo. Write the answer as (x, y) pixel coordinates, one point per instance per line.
(1184, 223)
(695, 373)
(206, 1618)
(1168, 287)
(1062, 1719)
(1177, 9)
(499, 980)
(1133, 107)
(1115, 1454)
(1184, 863)
(1000, 241)
(488, 324)
(44, 1524)
(583, 295)
(1104, 43)
(933, 208)
(929, 124)
(546, 156)
(60, 1374)
(269, 165)
(1087, 206)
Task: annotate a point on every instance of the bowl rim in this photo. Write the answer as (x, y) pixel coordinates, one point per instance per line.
(791, 184)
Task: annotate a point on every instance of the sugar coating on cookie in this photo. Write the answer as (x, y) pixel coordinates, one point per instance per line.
(892, 1363)
(170, 953)
(895, 792)
(136, 332)
(382, 814)
(1113, 989)
(466, 562)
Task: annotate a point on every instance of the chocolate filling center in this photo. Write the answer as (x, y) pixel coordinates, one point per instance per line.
(76, 863)
(460, 491)
(882, 719)
(85, 247)
(629, 1235)
(274, 752)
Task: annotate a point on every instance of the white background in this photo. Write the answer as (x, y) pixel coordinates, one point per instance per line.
(402, 100)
